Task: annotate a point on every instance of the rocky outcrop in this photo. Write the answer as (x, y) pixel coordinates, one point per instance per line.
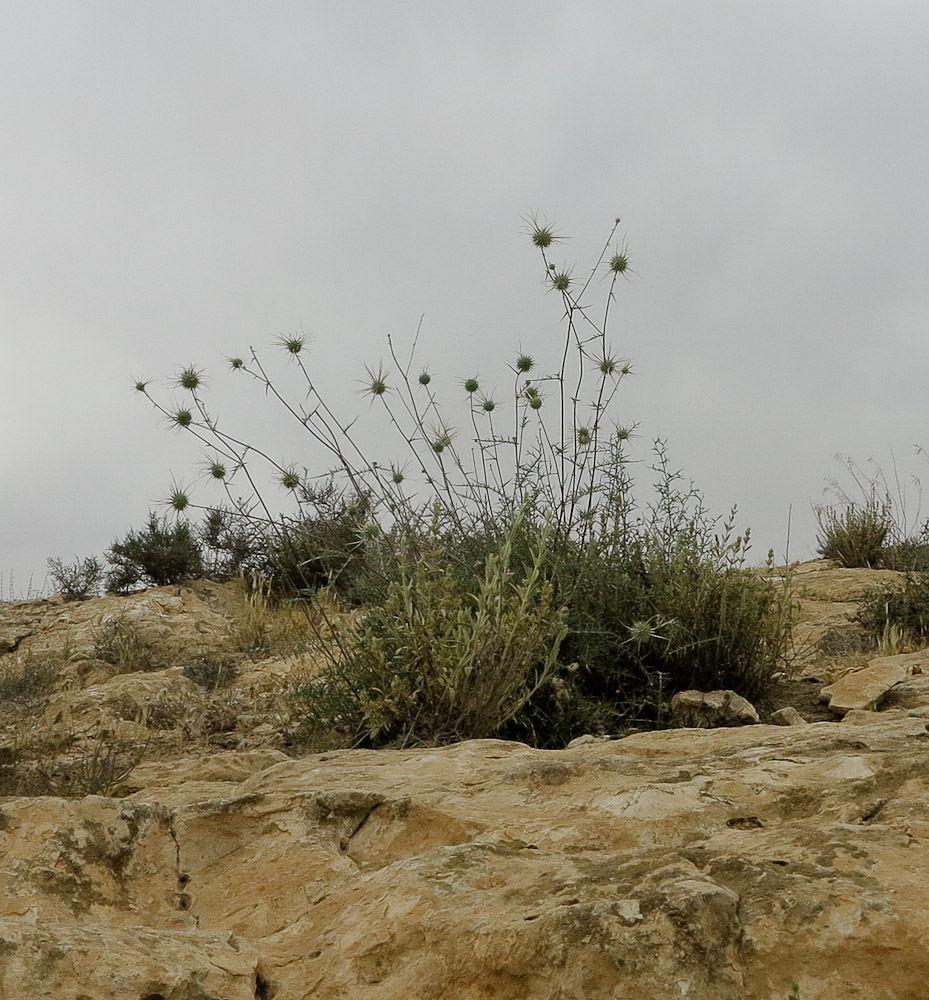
(706, 864)
(712, 709)
(709, 864)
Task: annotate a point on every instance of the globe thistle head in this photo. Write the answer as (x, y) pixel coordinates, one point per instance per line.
(190, 378)
(293, 345)
(375, 382)
(289, 479)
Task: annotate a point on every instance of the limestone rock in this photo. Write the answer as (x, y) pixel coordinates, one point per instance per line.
(788, 716)
(864, 689)
(712, 709)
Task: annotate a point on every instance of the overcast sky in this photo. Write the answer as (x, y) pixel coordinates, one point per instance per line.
(181, 180)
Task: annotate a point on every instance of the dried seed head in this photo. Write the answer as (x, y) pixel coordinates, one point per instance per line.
(293, 345)
(190, 378)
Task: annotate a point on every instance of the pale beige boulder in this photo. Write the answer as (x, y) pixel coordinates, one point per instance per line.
(864, 688)
(712, 709)
(788, 716)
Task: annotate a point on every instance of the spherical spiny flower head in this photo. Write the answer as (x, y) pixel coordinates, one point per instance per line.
(541, 234)
(376, 382)
(293, 345)
(182, 418)
(424, 378)
(140, 385)
(289, 479)
(533, 396)
(471, 385)
(524, 363)
(178, 499)
(561, 280)
(236, 363)
(488, 405)
(190, 378)
(584, 436)
(216, 469)
(619, 263)
(440, 441)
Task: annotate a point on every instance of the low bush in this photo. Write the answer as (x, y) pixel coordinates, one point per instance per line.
(78, 580)
(119, 641)
(854, 535)
(909, 555)
(323, 547)
(903, 606)
(160, 554)
(212, 674)
(28, 679)
(505, 578)
(439, 659)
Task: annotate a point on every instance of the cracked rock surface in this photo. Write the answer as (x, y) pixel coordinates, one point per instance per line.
(706, 864)
(711, 864)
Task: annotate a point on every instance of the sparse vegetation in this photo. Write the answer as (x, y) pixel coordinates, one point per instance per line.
(118, 640)
(854, 535)
(903, 607)
(28, 679)
(212, 673)
(158, 555)
(527, 524)
(78, 580)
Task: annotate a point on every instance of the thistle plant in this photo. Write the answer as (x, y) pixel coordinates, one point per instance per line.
(491, 513)
(478, 458)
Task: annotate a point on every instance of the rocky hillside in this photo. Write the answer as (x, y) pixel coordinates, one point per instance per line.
(159, 842)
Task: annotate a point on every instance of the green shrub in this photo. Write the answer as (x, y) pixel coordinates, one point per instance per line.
(235, 540)
(29, 678)
(119, 641)
(438, 660)
(615, 606)
(212, 674)
(854, 535)
(908, 555)
(159, 555)
(904, 605)
(660, 602)
(324, 546)
(78, 580)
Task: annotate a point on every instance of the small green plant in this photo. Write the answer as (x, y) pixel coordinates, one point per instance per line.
(78, 580)
(211, 673)
(96, 765)
(324, 546)
(854, 535)
(159, 555)
(28, 679)
(118, 640)
(794, 993)
(438, 661)
(903, 607)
